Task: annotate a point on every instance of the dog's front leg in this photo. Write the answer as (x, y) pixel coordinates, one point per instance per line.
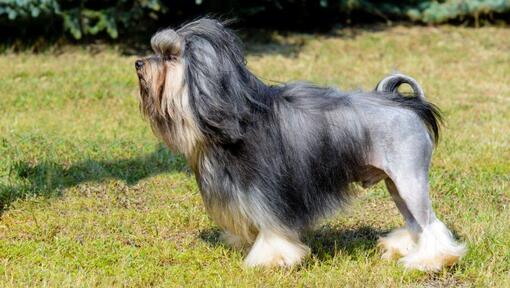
(233, 240)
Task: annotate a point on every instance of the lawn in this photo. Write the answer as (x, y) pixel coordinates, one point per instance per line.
(90, 197)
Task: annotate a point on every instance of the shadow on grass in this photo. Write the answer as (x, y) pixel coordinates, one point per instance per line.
(49, 178)
(260, 42)
(325, 242)
(256, 42)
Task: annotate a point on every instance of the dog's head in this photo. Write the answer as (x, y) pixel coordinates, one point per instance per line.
(164, 95)
(161, 76)
(197, 81)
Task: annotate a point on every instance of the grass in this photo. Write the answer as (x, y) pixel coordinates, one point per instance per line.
(90, 198)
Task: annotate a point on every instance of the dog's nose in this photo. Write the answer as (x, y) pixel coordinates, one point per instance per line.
(138, 64)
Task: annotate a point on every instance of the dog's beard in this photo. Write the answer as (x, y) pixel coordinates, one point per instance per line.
(164, 100)
(146, 103)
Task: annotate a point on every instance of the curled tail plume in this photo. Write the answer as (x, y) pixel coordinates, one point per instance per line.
(391, 83)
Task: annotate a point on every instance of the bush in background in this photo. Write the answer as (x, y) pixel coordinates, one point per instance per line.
(75, 18)
(436, 12)
(88, 19)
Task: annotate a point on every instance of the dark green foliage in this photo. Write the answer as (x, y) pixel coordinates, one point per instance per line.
(442, 11)
(94, 17)
(28, 9)
(76, 18)
(109, 19)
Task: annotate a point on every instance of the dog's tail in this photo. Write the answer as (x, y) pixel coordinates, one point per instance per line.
(391, 83)
(428, 112)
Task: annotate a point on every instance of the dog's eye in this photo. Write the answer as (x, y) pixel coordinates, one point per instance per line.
(169, 58)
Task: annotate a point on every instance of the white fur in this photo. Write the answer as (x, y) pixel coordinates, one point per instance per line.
(436, 248)
(185, 135)
(398, 243)
(276, 249)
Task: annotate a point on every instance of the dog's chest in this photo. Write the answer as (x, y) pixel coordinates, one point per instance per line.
(224, 201)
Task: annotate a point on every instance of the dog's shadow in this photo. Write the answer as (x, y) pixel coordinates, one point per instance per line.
(50, 178)
(325, 242)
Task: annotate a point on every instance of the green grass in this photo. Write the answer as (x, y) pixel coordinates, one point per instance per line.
(92, 199)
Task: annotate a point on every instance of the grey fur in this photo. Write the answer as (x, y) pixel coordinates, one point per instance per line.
(167, 42)
(392, 82)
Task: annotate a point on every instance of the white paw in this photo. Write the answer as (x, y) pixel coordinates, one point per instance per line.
(436, 249)
(398, 243)
(431, 263)
(271, 249)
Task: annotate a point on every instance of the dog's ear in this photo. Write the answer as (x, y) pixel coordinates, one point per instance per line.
(167, 42)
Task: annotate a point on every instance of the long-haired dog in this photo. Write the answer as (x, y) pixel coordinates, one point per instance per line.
(272, 160)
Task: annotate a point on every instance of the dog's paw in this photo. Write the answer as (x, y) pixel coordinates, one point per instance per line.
(431, 263)
(276, 258)
(397, 244)
(436, 249)
(274, 250)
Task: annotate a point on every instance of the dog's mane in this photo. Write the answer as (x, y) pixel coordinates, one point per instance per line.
(225, 95)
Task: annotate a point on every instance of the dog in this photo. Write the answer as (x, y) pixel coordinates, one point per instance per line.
(270, 161)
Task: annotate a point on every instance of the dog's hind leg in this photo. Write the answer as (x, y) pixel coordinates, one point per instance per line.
(399, 242)
(425, 243)
(275, 248)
